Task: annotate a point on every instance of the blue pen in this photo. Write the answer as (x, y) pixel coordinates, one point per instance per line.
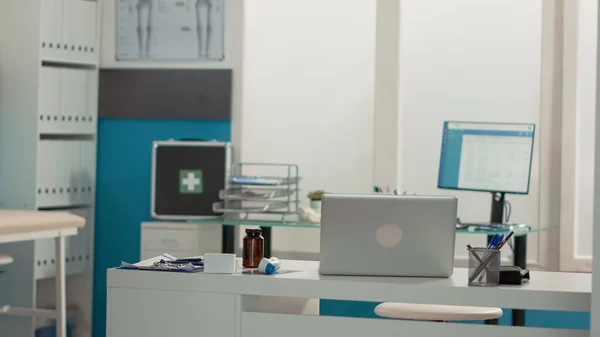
(493, 241)
(500, 239)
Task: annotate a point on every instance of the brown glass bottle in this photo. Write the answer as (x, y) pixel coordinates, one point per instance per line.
(254, 248)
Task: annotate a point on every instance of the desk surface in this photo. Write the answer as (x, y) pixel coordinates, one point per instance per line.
(14, 222)
(546, 290)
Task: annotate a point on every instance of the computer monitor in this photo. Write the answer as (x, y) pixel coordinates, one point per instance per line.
(490, 157)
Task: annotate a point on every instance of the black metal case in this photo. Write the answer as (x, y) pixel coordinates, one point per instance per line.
(187, 177)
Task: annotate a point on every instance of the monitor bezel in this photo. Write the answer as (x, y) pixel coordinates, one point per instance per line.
(445, 129)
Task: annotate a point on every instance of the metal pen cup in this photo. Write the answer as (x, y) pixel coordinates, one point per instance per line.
(484, 267)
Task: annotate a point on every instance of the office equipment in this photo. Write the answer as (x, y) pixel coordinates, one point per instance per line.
(187, 177)
(388, 235)
(263, 306)
(484, 266)
(22, 225)
(513, 275)
(493, 249)
(220, 263)
(273, 195)
(489, 157)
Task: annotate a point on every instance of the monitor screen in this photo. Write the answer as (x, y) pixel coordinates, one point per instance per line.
(491, 157)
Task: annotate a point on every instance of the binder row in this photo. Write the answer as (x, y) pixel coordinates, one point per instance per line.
(77, 249)
(69, 30)
(66, 173)
(68, 100)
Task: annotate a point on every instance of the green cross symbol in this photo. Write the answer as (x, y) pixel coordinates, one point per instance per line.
(190, 182)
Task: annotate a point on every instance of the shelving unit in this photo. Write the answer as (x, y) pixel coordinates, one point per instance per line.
(48, 119)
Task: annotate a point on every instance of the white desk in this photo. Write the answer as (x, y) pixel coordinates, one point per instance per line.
(17, 225)
(154, 304)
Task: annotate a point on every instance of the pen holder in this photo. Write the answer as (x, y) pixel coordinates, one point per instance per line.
(484, 267)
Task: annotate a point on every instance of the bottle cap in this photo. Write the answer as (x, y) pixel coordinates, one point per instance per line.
(253, 232)
(266, 267)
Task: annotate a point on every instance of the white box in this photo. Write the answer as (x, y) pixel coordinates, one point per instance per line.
(220, 263)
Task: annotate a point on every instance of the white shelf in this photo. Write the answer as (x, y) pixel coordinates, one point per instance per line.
(48, 123)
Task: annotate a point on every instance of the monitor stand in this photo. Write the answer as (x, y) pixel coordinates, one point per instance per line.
(497, 216)
(519, 249)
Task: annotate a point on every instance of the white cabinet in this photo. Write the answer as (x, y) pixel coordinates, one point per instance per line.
(48, 120)
(134, 313)
(179, 239)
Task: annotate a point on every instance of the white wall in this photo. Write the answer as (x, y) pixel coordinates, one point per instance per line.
(470, 60)
(308, 82)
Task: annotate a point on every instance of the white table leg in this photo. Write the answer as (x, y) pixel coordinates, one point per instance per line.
(60, 282)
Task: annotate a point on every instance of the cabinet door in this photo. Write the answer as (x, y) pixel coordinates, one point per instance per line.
(159, 313)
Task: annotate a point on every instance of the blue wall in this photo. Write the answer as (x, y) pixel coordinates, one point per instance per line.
(123, 190)
(533, 318)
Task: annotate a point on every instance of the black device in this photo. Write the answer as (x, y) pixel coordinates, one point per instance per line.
(187, 176)
(513, 275)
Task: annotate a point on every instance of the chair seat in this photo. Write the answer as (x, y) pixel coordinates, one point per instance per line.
(5, 260)
(433, 312)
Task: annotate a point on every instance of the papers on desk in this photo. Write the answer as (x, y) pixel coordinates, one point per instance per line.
(165, 262)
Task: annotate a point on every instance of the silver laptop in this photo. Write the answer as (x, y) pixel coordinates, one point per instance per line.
(388, 235)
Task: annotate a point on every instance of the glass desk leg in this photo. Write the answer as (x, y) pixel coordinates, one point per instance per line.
(518, 316)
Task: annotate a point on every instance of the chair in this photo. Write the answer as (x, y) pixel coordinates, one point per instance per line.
(5, 260)
(436, 313)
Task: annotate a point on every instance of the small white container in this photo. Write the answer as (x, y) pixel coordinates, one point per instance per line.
(219, 263)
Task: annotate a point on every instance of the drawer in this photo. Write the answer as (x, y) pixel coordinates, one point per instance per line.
(168, 239)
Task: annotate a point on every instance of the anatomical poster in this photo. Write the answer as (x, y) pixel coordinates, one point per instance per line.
(170, 29)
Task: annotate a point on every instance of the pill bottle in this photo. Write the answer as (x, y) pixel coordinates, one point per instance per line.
(254, 248)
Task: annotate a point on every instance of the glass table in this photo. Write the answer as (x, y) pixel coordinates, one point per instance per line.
(520, 234)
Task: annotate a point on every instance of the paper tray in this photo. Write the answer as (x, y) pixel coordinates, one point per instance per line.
(254, 194)
(219, 207)
(263, 181)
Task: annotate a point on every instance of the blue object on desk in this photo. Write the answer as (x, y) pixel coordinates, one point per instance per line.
(487, 228)
(258, 181)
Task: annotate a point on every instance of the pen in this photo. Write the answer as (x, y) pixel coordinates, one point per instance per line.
(506, 239)
(492, 241)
